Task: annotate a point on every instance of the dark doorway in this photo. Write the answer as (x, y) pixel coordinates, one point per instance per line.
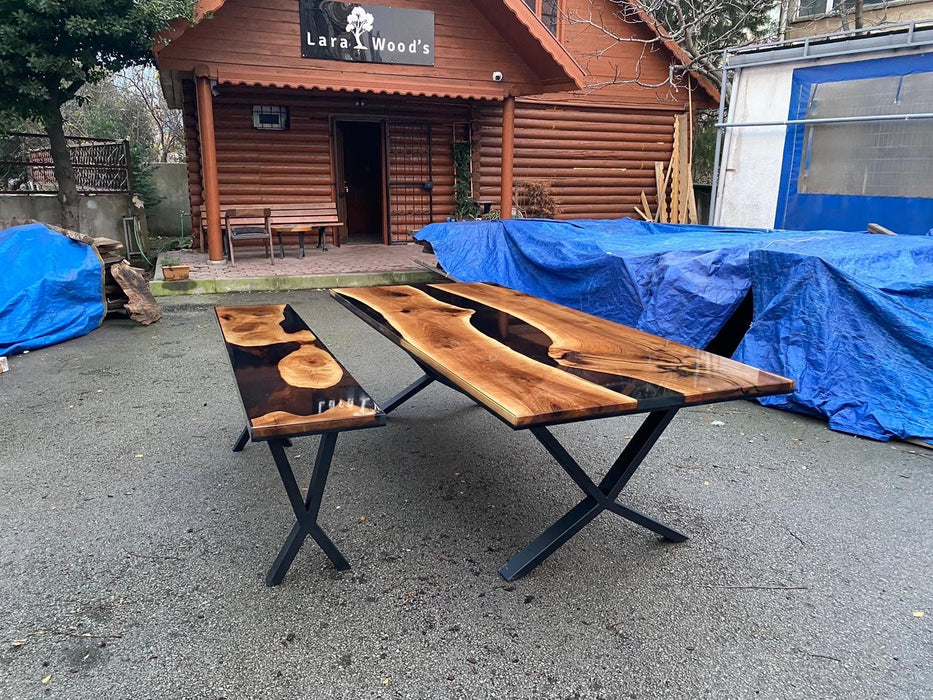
(360, 148)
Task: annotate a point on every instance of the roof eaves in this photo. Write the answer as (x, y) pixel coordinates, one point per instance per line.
(375, 89)
(567, 64)
(547, 40)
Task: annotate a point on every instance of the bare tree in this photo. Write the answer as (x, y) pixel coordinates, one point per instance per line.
(141, 83)
(129, 105)
(698, 29)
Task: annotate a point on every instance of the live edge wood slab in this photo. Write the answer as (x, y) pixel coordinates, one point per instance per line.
(289, 382)
(532, 362)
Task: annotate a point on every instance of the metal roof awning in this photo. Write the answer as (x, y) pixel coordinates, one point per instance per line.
(895, 36)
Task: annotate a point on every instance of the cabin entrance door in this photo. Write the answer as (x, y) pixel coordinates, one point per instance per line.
(360, 179)
(410, 182)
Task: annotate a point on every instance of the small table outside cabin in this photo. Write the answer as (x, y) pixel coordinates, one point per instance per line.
(485, 205)
(533, 364)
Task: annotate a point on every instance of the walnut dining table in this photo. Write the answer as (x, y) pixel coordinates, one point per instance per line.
(533, 364)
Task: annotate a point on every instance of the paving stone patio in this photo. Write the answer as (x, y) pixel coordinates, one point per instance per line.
(348, 265)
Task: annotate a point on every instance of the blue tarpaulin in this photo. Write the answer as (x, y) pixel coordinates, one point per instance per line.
(51, 289)
(680, 282)
(853, 327)
(684, 282)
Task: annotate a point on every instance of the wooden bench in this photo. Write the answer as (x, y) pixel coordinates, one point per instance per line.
(304, 218)
(291, 385)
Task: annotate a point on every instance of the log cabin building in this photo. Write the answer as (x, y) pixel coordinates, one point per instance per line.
(360, 104)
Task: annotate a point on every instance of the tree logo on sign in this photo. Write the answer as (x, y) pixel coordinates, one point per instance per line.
(358, 22)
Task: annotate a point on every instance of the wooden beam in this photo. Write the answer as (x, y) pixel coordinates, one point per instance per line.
(211, 189)
(646, 206)
(660, 175)
(683, 170)
(675, 176)
(508, 156)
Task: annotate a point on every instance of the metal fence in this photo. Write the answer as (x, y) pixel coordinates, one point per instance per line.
(101, 166)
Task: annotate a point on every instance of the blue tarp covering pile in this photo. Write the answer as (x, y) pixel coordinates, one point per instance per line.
(854, 328)
(679, 282)
(684, 282)
(51, 288)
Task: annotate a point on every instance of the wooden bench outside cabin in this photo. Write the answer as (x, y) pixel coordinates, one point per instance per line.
(291, 385)
(249, 223)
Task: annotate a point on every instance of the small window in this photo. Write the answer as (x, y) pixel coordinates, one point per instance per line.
(811, 8)
(547, 11)
(271, 118)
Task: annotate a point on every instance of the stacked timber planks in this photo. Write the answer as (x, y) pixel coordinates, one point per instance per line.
(676, 201)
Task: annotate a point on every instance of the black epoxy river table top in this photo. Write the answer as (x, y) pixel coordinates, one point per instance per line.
(289, 382)
(533, 362)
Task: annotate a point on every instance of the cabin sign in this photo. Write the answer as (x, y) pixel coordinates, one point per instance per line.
(342, 31)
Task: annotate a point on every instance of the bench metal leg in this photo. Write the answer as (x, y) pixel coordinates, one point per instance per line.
(241, 441)
(598, 497)
(321, 238)
(301, 244)
(244, 438)
(406, 393)
(306, 509)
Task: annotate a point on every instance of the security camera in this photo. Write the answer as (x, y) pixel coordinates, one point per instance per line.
(497, 76)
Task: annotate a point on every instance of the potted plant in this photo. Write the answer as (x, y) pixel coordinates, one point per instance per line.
(173, 269)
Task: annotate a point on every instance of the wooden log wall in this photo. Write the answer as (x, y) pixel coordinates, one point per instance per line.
(597, 160)
(296, 166)
(193, 160)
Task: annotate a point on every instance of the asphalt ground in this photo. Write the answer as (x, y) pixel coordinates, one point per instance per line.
(134, 543)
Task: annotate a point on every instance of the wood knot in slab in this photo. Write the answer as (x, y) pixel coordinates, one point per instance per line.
(310, 367)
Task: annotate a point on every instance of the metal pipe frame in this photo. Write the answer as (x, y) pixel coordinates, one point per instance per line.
(831, 120)
(720, 135)
(872, 39)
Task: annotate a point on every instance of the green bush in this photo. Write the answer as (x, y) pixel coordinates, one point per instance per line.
(465, 206)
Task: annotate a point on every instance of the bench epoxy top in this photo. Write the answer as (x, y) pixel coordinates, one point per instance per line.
(533, 362)
(289, 382)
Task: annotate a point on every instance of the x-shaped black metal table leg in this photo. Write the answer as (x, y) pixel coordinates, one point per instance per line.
(406, 393)
(598, 497)
(306, 509)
